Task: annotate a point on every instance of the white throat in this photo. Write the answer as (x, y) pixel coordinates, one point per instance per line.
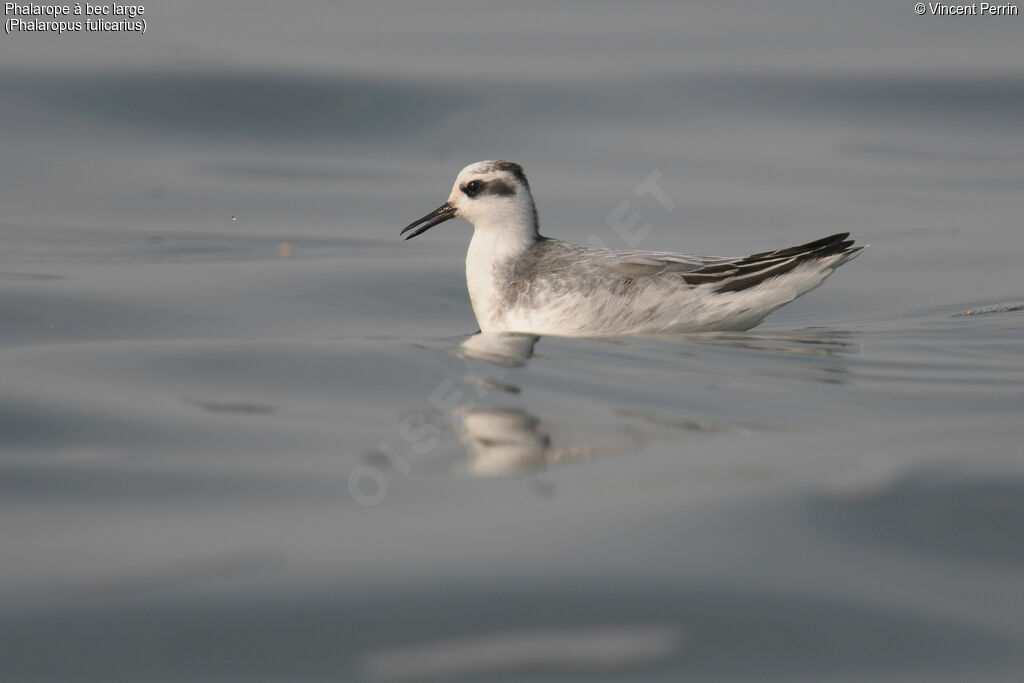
(497, 241)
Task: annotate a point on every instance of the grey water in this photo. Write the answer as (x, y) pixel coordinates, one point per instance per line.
(247, 433)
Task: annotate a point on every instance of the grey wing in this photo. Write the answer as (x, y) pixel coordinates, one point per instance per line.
(636, 264)
(556, 256)
(731, 274)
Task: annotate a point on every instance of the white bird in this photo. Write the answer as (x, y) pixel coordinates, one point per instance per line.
(521, 281)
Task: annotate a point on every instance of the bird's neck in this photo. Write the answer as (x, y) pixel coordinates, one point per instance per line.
(495, 245)
(502, 235)
(500, 243)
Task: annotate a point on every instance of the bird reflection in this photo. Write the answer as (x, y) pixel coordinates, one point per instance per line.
(506, 350)
(502, 441)
(508, 439)
(813, 341)
(497, 353)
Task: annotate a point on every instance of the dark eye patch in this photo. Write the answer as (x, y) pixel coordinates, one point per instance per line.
(480, 188)
(500, 188)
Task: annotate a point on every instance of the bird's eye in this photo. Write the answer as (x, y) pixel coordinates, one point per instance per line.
(473, 187)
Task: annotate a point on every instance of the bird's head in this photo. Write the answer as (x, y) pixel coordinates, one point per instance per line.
(492, 195)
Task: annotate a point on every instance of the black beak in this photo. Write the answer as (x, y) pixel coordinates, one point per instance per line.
(439, 215)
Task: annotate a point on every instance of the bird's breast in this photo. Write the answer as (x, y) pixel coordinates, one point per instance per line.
(485, 291)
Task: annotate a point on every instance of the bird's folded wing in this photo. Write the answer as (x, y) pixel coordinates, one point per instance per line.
(731, 274)
(650, 264)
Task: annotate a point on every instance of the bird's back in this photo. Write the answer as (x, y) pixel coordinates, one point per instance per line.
(555, 287)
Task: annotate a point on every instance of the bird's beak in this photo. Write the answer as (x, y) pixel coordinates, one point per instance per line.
(439, 215)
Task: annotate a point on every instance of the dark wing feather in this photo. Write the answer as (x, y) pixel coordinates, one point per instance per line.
(731, 275)
(756, 268)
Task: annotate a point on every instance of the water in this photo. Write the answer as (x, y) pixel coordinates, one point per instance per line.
(246, 433)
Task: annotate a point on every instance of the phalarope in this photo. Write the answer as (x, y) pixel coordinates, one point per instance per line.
(521, 281)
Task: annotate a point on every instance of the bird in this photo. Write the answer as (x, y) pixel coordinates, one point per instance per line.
(520, 281)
